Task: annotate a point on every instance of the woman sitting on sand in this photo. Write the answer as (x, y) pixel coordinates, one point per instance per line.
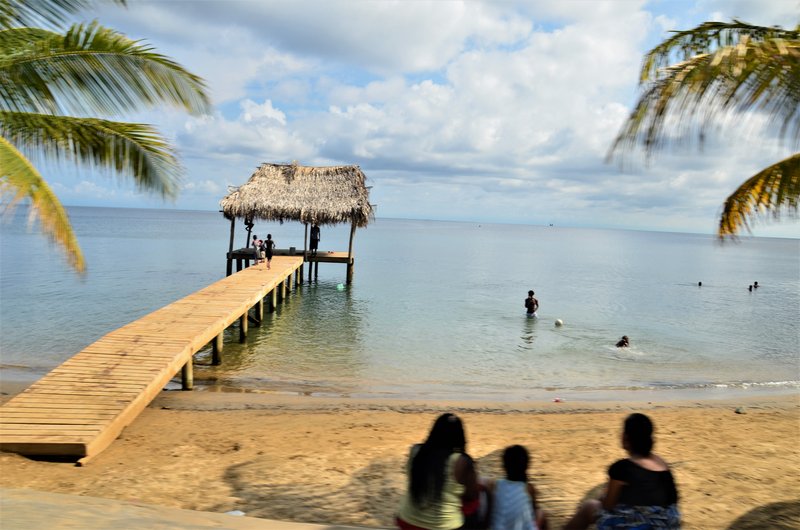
(437, 472)
(641, 491)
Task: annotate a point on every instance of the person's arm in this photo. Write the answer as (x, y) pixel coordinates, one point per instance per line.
(612, 493)
(532, 494)
(463, 471)
(535, 305)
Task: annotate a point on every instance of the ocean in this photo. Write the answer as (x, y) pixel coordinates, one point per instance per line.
(435, 311)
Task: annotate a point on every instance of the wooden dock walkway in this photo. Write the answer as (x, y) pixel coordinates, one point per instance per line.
(81, 407)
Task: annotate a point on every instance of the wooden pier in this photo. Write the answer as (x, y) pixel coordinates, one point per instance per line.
(81, 407)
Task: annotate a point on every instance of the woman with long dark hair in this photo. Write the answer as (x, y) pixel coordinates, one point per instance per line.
(437, 471)
(641, 491)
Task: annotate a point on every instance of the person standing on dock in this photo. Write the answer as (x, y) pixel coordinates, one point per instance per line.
(531, 305)
(315, 237)
(269, 246)
(257, 244)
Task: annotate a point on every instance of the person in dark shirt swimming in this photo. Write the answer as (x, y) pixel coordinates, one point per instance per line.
(624, 342)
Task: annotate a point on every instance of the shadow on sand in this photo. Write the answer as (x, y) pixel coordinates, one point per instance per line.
(776, 516)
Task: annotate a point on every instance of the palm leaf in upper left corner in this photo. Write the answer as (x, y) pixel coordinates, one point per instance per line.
(19, 180)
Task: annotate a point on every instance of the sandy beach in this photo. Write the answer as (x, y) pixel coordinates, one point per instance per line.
(340, 461)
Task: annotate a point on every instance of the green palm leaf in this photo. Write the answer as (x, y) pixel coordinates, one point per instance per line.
(130, 149)
(697, 76)
(91, 69)
(35, 12)
(19, 180)
(770, 190)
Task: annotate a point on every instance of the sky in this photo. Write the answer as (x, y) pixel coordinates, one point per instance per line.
(481, 111)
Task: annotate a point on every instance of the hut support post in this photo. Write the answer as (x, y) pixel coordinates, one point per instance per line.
(187, 376)
(216, 350)
(305, 242)
(229, 268)
(243, 326)
(350, 254)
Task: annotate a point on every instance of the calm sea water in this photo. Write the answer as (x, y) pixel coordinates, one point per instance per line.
(436, 308)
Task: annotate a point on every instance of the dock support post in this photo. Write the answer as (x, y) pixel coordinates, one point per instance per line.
(243, 326)
(310, 269)
(187, 376)
(229, 268)
(298, 276)
(260, 311)
(282, 291)
(273, 299)
(316, 270)
(350, 253)
(216, 350)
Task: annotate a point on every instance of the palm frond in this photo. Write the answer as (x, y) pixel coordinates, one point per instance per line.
(752, 76)
(41, 12)
(92, 69)
(773, 191)
(705, 39)
(130, 149)
(19, 180)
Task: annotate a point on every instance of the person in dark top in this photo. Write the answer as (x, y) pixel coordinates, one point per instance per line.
(641, 490)
(315, 237)
(624, 342)
(268, 246)
(531, 305)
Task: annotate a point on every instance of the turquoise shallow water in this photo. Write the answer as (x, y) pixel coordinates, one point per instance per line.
(436, 309)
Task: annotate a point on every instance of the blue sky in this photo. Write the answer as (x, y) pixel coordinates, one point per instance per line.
(476, 110)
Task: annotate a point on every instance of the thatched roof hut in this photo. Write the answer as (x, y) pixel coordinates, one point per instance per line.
(315, 195)
(311, 195)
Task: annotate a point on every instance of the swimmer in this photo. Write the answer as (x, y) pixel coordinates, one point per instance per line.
(623, 342)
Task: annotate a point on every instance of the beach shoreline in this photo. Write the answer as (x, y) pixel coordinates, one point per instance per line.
(340, 460)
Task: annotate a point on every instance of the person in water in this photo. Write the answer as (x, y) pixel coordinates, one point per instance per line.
(531, 305)
(624, 342)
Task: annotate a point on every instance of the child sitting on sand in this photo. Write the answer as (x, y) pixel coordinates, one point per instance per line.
(514, 505)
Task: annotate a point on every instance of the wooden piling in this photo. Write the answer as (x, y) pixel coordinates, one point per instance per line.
(187, 375)
(243, 323)
(216, 350)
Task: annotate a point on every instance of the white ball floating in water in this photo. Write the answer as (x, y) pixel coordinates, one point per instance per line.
(559, 322)
(340, 287)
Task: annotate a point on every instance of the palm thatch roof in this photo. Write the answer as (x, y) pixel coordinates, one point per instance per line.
(290, 192)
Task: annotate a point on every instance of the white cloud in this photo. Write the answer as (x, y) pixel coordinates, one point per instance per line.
(488, 107)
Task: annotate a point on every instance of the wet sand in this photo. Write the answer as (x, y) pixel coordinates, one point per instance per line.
(341, 461)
